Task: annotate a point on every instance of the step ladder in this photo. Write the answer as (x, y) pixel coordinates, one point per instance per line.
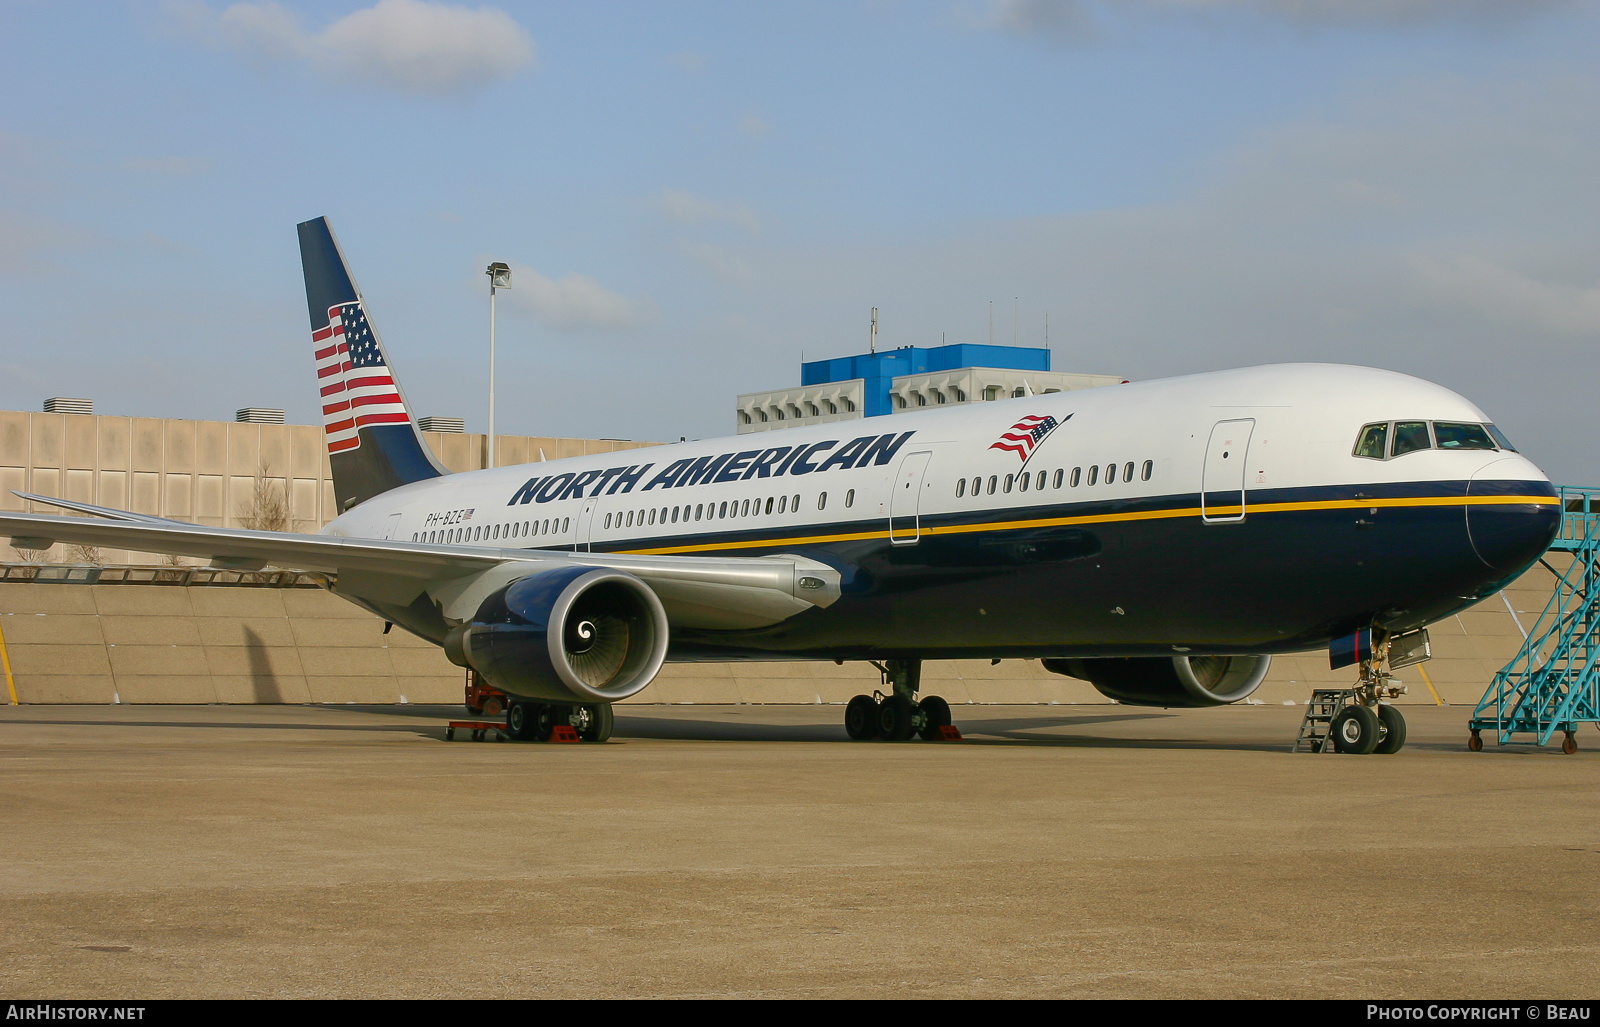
(1316, 730)
(1553, 683)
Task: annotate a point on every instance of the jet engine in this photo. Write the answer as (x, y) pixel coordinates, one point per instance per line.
(1174, 681)
(568, 634)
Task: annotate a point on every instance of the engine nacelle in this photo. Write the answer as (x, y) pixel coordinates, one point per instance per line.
(569, 634)
(1175, 681)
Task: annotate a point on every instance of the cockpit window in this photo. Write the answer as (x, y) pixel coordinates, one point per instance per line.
(1372, 441)
(1500, 438)
(1458, 435)
(1410, 436)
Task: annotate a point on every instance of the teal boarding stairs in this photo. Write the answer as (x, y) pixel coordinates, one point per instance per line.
(1553, 683)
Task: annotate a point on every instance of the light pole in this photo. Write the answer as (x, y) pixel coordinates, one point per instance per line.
(499, 278)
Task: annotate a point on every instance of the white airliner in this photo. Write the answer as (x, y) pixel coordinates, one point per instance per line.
(1159, 539)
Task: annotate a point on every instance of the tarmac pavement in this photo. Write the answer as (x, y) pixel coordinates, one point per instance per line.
(1065, 851)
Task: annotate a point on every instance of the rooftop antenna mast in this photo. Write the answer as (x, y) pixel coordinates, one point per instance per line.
(872, 343)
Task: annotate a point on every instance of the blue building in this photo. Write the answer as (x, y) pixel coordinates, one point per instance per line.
(905, 380)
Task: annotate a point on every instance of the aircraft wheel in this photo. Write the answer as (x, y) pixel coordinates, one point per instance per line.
(594, 722)
(1475, 743)
(935, 715)
(522, 721)
(894, 718)
(1392, 728)
(1355, 730)
(1569, 743)
(861, 718)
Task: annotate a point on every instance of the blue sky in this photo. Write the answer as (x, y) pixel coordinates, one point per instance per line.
(693, 194)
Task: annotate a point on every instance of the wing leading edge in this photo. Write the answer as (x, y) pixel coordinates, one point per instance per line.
(717, 593)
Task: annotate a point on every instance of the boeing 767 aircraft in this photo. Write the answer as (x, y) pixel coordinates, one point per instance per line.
(1158, 539)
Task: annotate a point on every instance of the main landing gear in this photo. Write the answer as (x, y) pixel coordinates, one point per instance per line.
(899, 715)
(534, 722)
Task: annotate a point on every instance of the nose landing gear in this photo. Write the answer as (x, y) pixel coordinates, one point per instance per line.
(900, 714)
(1357, 720)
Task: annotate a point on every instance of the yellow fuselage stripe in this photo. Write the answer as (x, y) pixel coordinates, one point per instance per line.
(1138, 515)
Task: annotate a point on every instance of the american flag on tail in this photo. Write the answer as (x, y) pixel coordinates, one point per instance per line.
(1021, 438)
(357, 387)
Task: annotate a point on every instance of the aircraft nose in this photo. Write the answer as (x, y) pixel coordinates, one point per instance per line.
(1508, 535)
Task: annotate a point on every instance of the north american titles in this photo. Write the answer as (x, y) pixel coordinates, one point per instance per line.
(706, 470)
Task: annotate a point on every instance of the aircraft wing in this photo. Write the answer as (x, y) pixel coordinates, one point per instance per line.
(699, 592)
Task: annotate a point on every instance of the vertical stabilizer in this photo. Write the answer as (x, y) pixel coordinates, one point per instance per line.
(372, 442)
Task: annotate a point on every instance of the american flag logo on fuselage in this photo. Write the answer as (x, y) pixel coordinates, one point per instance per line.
(1025, 436)
(357, 386)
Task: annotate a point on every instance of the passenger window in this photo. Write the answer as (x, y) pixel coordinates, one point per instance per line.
(745, 506)
(1500, 438)
(1057, 482)
(566, 524)
(1370, 443)
(993, 481)
(769, 504)
(1111, 474)
(1094, 473)
(961, 487)
(822, 499)
(608, 520)
(1010, 479)
(722, 511)
(850, 498)
(1458, 435)
(1410, 436)
(697, 508)
(1077, 475)
(977, 486)
(1023, 480)
(1127, 471)
(783, 504)
(1041, 480)
(794, 503)
(1147, 470)
(674, 515)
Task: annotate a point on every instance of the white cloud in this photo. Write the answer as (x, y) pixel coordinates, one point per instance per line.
(414, 46)
(719, 260)
(1507, 297)
(574, 302)
(688, 209)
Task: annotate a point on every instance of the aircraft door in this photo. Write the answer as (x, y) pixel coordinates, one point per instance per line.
(1222, 481)
(580, 532)
(905, 500)
(390, 525)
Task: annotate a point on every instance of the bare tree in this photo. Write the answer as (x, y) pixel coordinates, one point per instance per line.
(83, 554)
(268, 508)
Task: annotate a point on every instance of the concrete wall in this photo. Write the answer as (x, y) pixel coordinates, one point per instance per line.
(175, 644)
(206, 471)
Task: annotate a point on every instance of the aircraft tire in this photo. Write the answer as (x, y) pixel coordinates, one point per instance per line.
(1355, 730)
(894, 719)
(861, 718)
(1394, 731)
(522, 721)
(600, 721)
(935, 714)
